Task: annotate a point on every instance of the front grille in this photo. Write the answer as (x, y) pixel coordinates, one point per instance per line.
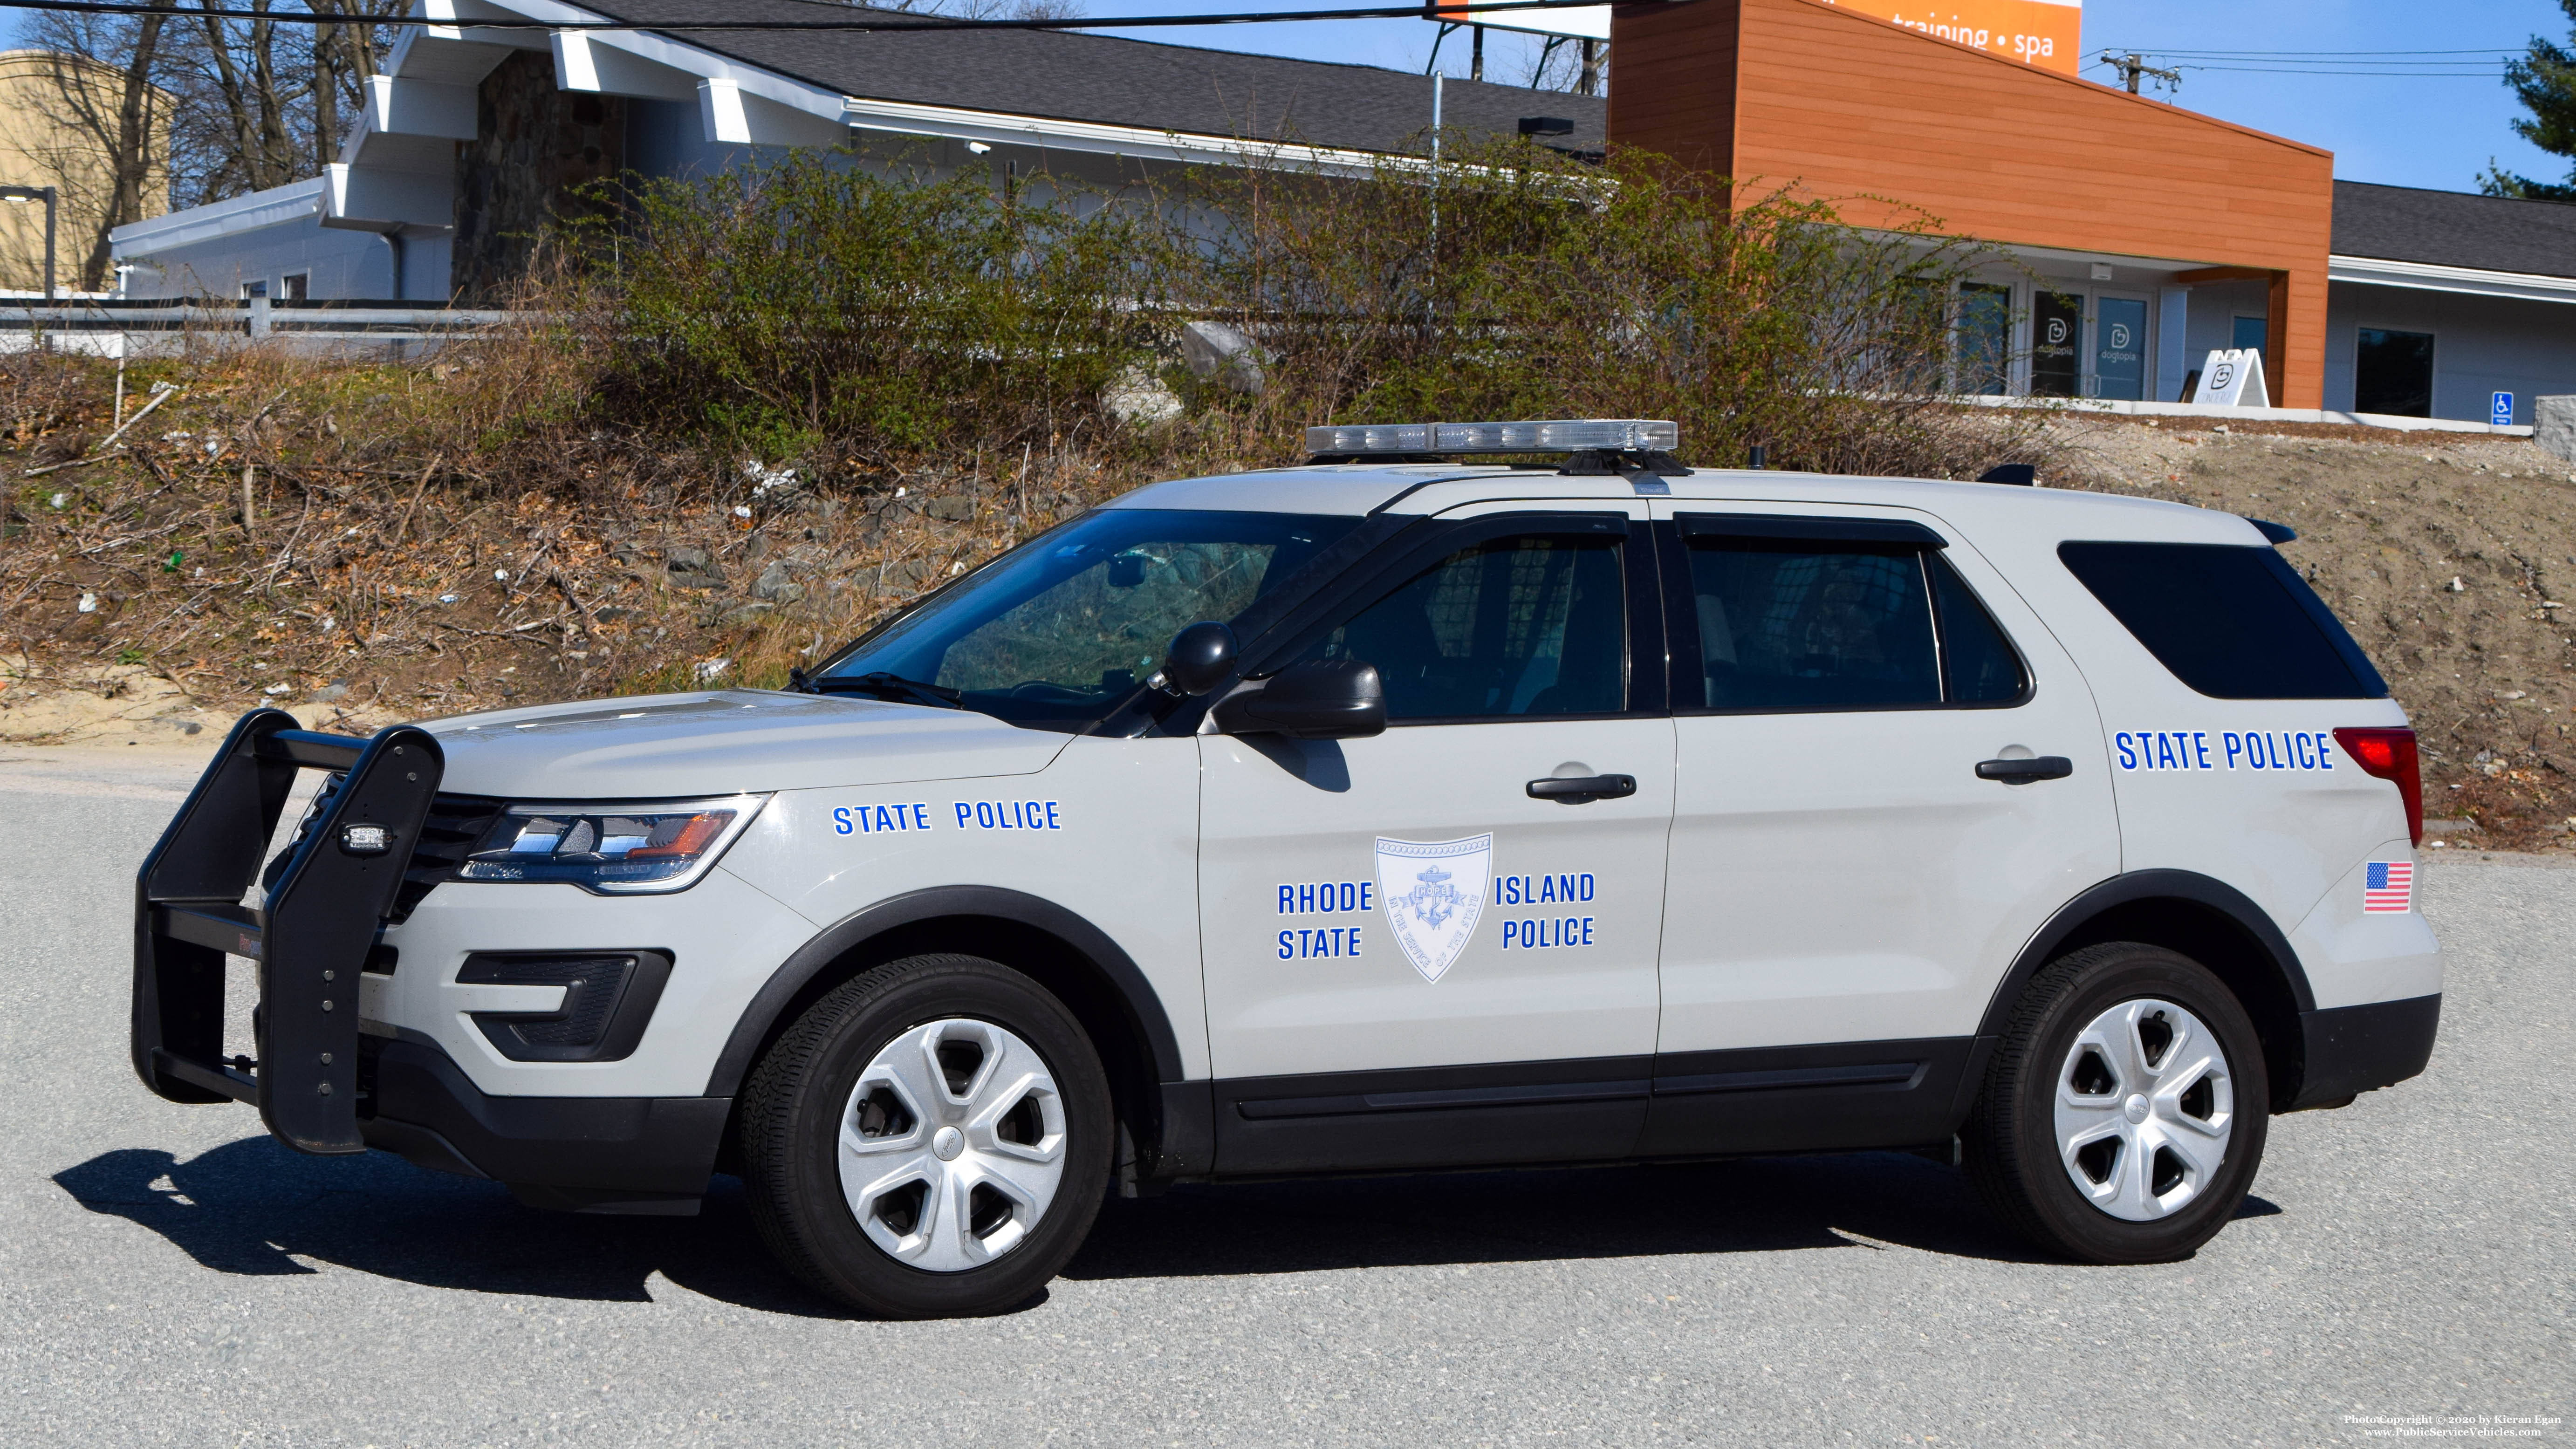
(455, 824)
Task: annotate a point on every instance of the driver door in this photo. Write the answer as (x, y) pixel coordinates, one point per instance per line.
(1411, 959)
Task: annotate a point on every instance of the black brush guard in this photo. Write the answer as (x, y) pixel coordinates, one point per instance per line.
(311, 937)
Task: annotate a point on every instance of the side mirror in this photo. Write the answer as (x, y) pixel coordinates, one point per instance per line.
(1199, 660)
(1321, 699)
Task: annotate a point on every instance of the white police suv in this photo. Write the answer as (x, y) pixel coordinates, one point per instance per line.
(1384, 813)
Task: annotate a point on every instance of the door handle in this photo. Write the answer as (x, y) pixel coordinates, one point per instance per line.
(2024, 772)
(1584, 789)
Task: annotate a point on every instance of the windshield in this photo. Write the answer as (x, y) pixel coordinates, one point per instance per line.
(1064, 627)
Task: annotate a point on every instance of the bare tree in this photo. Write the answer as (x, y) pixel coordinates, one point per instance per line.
(344, 56)
(259, 104)
(112, 119)
(1565, 63)
(989, 9)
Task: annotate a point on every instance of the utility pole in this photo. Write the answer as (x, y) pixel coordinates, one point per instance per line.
(1476, 56)
(1588, 82)
(2133, 65)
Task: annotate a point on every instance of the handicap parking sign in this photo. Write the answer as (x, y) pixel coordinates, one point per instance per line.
(2504, 410)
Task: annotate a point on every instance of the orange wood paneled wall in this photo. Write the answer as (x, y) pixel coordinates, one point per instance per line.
(1894, 124)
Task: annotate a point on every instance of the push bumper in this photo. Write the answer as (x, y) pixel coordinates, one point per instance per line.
(582, 1154)
(2354, 1049)
(312, 934)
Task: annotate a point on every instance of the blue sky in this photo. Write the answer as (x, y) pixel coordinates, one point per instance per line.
(2402, 131)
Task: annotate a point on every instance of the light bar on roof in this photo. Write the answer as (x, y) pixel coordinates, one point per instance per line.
(1555, 435)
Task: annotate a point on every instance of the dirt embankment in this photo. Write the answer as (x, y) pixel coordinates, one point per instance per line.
(310, 550)
(316, 549)
(2453, 560)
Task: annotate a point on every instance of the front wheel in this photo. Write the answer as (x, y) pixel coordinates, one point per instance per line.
(2122, 1117)
(930, 1139)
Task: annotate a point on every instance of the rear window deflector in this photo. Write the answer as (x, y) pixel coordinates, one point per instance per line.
(1770, 528)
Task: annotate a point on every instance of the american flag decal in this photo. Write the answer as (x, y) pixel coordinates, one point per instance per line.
(2387, 885)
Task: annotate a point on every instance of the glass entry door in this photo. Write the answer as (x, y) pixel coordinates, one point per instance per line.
(2120, 347)
(2056, 344)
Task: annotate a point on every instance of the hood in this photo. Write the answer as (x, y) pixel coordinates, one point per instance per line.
(666, 746)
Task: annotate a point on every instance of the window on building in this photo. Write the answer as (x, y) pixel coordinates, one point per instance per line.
(1984, 338)
(2120, 348)
(294, 286)
(2056, 345)
(253, 289)
(2250, 332)
(2393, 373)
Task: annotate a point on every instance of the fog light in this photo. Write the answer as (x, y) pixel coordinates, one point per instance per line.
(366, 839)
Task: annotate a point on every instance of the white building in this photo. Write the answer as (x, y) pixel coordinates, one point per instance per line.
(473, 132)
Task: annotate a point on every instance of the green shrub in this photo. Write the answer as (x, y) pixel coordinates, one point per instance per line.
(858, 307)
(809, 301)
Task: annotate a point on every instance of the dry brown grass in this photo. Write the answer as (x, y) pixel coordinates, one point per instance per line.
(421, 540)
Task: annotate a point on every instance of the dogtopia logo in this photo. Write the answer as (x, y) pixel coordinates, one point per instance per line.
(2047, 33)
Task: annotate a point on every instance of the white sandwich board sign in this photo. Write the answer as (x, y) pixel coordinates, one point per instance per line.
(2234, 378)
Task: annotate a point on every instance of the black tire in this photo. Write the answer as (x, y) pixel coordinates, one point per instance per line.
(791, 1120)
(2011, 1144)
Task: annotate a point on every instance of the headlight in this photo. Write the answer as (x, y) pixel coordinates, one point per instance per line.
(613, 849)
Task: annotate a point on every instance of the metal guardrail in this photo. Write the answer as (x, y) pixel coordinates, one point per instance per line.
(256, 317)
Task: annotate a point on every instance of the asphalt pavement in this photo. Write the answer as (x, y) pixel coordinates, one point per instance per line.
(169, 1274)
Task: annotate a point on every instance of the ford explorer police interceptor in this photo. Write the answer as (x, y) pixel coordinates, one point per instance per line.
(1381, 814)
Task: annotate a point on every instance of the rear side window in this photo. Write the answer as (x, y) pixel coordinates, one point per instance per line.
(2231, 621)
(1871, 619)
(1978, 665)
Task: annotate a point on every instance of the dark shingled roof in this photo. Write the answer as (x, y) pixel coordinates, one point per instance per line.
(2454, 229)
(1106, 80)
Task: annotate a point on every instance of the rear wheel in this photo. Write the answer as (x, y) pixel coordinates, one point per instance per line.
(2122, 1117)
(930, 1139)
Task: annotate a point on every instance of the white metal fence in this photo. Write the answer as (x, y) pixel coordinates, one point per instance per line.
(161, 327)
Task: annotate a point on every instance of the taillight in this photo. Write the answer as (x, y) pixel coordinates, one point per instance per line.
(2390, 755)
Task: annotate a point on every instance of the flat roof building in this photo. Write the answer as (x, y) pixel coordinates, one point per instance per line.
(2135, 237)
(2130, 238)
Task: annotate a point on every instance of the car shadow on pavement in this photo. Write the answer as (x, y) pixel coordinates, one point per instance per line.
(253, 1207)
(1747, 1205)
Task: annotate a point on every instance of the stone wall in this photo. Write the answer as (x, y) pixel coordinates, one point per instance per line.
(534, 146)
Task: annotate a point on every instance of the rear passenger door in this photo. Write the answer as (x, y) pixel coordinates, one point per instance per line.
(1846, 888)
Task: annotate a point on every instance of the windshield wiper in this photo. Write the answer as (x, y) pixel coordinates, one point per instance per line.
(886, 685)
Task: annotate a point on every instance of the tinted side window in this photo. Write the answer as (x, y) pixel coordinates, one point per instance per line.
(1525, 625)
(1792, 625)
(1978, 665)
(2231, 621)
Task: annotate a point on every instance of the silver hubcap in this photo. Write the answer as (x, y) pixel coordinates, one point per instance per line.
(952, 1145)
(2145, 1105)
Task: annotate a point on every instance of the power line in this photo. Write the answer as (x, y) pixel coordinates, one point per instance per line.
(2292, 54)
(891, 23)
(2374, 74)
